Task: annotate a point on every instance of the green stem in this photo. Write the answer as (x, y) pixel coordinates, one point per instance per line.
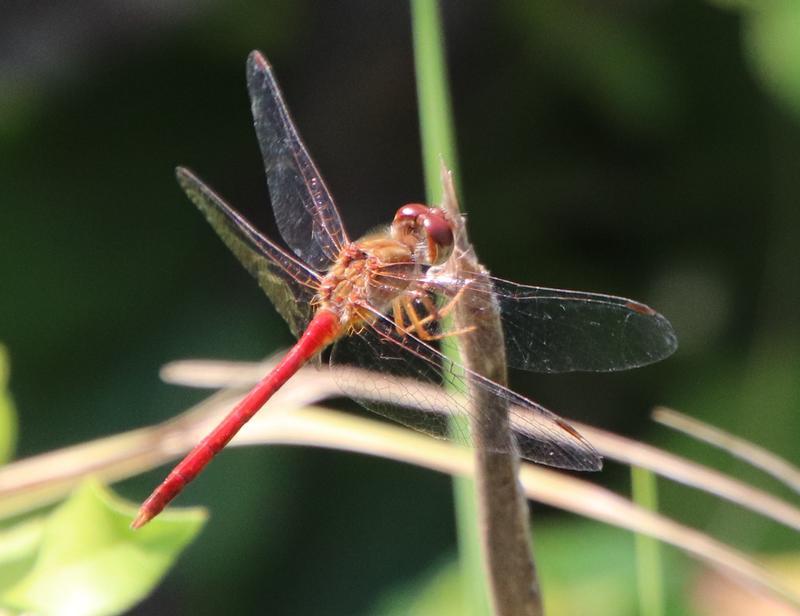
(435, 108)
(648, 556)
(438, 143)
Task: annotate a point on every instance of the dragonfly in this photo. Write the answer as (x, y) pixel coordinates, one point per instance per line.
(382, 304)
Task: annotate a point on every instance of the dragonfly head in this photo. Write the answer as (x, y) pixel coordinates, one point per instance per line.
(424, 229)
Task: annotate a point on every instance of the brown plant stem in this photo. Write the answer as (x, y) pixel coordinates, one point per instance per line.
(502, 508)
(37, 481)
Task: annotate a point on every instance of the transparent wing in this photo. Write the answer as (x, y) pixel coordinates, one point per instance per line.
(414, 374)
(554, 330)
(304, 210)
(289, 284)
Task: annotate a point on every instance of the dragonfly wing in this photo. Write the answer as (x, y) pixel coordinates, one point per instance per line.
(411, 382)
(554, 330)
(288, 283)
(304, 209)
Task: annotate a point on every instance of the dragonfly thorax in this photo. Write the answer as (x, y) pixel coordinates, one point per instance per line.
(368, 275)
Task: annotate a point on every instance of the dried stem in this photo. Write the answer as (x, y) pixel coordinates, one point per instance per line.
(311, 386)
(36, 481)
(502, 508)
(760, 457)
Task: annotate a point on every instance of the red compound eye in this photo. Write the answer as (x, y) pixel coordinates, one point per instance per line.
(438, 228)
(415, 223)
(411, 212)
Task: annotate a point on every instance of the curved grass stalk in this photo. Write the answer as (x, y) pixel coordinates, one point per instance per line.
(36, 481)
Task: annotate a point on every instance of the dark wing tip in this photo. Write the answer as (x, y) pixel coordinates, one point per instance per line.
(260, 81)
(668, 336)
(587, 461)
(186, 179)
(639, 307)
(655, 329)
(257, 63)
(586, 458)
(595, 464)
(564, 448)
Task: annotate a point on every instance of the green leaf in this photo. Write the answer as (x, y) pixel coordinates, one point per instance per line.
(772, 38)
(88, 560)
(8, 414)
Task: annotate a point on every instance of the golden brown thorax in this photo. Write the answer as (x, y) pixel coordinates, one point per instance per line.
(370, 272)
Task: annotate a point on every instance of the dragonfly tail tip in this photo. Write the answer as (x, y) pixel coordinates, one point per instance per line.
(142, 518)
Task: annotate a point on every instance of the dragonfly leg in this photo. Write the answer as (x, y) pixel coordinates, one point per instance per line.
(432, 308)
(434, 313)
(440, 313)
(418, 324)
(397, 313)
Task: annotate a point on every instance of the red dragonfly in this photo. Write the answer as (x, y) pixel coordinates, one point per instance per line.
(380, 302)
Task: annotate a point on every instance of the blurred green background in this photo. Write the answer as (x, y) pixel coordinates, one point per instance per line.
(647, 149)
